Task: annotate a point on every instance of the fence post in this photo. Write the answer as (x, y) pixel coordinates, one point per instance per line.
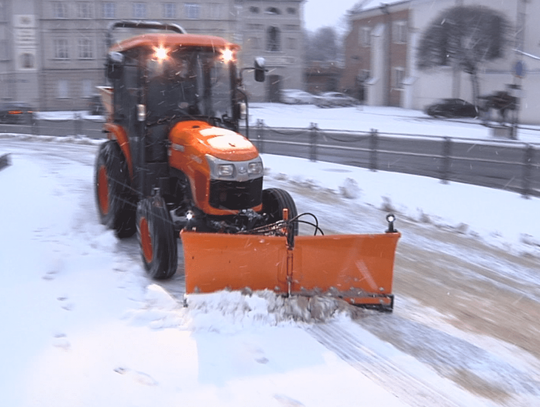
(4, 161)
(313, 136)
(374, 145)
(35, 126)
(447, 160)
(527, 169)
(260, 135)
(77, 124)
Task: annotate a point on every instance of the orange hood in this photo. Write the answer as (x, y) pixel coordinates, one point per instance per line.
(215, 141)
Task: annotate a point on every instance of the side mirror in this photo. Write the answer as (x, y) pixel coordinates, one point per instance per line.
(260, 69)
(115, 64)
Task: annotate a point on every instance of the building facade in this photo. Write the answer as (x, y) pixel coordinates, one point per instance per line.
(376, 52)
(273, 30)
(19, 51)
(52, 52)
(381, 47)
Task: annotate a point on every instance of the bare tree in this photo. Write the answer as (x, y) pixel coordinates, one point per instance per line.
(464, 37)
(322, 45)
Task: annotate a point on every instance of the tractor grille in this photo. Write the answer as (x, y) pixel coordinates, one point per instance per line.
(235, 195)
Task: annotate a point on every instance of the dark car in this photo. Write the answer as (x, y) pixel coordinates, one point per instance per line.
(16, 113)
(452, 108)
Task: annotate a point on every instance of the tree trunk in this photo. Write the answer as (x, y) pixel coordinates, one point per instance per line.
(475, 88)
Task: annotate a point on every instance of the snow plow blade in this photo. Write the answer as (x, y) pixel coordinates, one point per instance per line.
(357, 268)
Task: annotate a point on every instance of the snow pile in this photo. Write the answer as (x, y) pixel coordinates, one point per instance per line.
(500, 218)
(232, 311)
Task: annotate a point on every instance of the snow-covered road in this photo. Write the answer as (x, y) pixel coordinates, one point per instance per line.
(82, 324)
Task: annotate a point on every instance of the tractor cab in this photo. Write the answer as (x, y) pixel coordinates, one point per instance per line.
(159, 80)
(164, 78)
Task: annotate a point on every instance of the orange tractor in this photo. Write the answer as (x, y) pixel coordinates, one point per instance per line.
(175, 166)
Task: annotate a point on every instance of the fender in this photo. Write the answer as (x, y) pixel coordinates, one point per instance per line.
(117, 132)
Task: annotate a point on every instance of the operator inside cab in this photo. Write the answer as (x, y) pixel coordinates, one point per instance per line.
(188, 84)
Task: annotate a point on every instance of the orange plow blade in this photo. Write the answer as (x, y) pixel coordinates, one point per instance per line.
(357, 268)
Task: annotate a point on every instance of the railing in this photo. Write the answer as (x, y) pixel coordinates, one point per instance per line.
(507, 165)
(81, 125)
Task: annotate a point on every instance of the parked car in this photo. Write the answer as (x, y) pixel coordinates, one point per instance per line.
(296, 97)
(15, 113)
(452, 108)
(335, 99)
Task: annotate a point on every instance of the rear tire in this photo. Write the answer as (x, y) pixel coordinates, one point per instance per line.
(274, 201)
(157, 238)
(115, 203)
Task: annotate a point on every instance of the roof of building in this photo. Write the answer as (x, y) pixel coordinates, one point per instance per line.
(366, 5)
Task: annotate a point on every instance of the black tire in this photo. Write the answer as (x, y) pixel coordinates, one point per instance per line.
(157, 238)
(115, 202)
(274, 201)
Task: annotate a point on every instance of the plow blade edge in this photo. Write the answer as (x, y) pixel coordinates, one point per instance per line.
(357, 268)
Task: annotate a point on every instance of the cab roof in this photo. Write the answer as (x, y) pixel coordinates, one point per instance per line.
(173, 40)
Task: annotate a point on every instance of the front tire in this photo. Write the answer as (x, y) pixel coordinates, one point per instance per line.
(115, 203)
(157, 238)
(274, 201)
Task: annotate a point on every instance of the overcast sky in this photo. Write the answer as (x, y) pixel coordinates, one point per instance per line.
(320, 13)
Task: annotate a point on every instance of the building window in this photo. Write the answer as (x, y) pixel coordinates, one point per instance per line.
(291, 10)
(399, 75)
(292, 43)
(254, 10)
(169, 10)
(4, 50)
(61, 49)
(255, 43)
(400, 32)
(62, 89)
(109, 10)
(273, 11)
(60, 9)
(365, 36)
(2, 11)
(139, 10)
(364, 75)
(84, 10)
(85, 49)
(273, 39)
(215, 11)
(192, 11)
(292, 27)
(27, 61)
(87, 88)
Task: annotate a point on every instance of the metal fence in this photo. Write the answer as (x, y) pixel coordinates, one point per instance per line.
(81, 125)
(507, 165)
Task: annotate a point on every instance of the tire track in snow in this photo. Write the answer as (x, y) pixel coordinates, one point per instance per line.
(376, 367)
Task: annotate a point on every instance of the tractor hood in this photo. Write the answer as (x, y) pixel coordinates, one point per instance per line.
(202, 138)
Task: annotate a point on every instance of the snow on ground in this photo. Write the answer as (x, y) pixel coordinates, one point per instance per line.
(384, 119)
(83, 326)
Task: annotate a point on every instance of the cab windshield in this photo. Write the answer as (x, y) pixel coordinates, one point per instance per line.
(188, 83)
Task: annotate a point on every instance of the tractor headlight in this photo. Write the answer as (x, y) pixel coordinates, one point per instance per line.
(225, 170)
(255, 168)
(234, 170)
